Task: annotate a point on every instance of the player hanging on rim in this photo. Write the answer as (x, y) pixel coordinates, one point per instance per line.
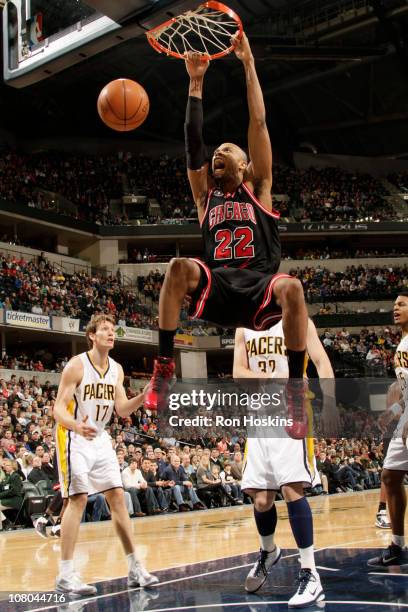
(396, 461)
(91, 387)
(237, 283)
(276, 462)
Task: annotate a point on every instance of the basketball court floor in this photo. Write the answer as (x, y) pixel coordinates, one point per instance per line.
(202, 559)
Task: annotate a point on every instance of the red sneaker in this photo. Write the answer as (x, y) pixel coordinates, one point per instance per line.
(295, 400)
(159, 385)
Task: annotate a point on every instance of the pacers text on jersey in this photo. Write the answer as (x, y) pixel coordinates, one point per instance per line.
(99, 391)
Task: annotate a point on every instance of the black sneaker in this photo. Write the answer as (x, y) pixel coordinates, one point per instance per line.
(261, 568)
(393, 555)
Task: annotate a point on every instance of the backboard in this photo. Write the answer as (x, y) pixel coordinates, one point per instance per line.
(41, 38)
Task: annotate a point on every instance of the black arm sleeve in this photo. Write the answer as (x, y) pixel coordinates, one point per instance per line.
(193, 134)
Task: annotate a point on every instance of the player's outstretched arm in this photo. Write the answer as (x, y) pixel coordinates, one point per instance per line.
(394, 407)
(241, 367)
(197, 165)
(124, 406)
(259, 171)
(317, 353)
(330, 414)
(70, 379)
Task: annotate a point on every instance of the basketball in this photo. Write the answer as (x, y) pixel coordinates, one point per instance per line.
(123, 105)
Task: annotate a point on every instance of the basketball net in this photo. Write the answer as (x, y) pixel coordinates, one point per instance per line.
(206, 30)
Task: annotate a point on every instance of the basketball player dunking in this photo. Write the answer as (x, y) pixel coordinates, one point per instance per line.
(396, 461)
(91, 387)
(237, 284)
(280, 463)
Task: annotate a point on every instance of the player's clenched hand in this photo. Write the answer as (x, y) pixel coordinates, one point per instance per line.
(242, 48)
(196, 66)
(85, 430)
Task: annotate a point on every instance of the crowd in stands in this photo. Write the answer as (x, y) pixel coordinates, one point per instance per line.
(340, 253)
(162, 474)
(27, 286)
(354, 464)
(400, 180)
(41, 361)
(355, 282)
(38, 288)
(91, 183)
(375, 349)
(332, 195)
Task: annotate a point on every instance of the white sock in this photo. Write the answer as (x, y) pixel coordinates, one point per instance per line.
(307, 558)
(398, 540)
(131, 559)
(267, 542)
(66, 567)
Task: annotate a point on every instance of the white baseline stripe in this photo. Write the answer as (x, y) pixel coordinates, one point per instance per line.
(388, 574)
(278, 603)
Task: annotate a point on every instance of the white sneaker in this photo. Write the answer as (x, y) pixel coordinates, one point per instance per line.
(140, 577)
(309, 590)
(40, 526)
(261, 568)
(73, 585)
(56, 530)
(382, 521)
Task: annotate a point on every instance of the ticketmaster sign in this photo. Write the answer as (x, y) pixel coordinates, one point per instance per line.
(27, 319)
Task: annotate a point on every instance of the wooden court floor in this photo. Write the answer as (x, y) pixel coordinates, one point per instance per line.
(30, 563)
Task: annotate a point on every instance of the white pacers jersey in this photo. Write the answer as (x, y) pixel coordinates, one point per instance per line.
(95, 396)
(271, 462)
(90, 466)
(401, 372)
(401, 368)
(266, 351)
(397, 454)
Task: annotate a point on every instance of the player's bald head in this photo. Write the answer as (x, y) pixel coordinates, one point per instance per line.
(237, 150)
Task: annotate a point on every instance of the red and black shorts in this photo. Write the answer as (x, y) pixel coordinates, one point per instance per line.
(235, 297)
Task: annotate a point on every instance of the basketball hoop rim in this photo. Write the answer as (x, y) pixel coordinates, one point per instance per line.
(212, 4)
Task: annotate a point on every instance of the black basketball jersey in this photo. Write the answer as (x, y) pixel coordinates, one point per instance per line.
(239, 232)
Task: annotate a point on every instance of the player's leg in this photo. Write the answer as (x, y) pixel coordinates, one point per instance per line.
(67, 580)
(138, 575)
(309, 588)
(289, 295)
(182, 277)
(266, 519)
(396, 553)
(381, 520)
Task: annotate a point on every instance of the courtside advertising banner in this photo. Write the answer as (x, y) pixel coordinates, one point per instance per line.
(27, 319)
(135, 334)
(65, 324)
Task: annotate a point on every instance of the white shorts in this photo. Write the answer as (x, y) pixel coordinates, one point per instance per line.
(271, 463)
(397, 456)
(86, 466)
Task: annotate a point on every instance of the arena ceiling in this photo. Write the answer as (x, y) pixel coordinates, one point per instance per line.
(334, 75)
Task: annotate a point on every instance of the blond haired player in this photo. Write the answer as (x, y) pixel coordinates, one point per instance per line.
(281, 463)
(91, 387)
(396, 461)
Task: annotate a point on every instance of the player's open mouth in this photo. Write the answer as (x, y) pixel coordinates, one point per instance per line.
(219, 164)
